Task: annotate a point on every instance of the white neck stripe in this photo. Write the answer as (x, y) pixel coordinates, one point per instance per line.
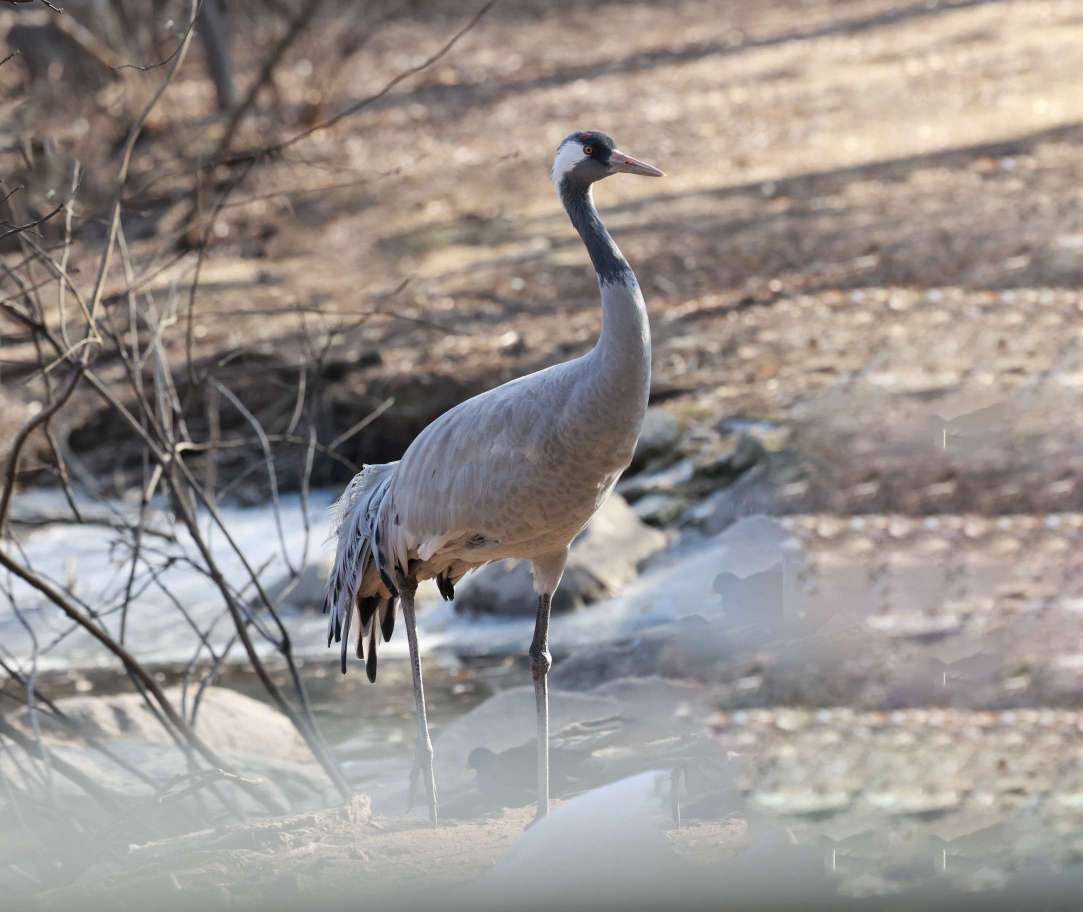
(568, 156)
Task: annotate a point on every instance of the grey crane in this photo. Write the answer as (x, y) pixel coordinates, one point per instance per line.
(515, 472)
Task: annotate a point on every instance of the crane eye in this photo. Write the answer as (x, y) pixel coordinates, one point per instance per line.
(588, 150)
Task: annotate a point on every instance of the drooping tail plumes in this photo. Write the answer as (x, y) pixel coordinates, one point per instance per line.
(358, 523)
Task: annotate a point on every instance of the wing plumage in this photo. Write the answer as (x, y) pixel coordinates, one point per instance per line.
(479, 471)
(358, 521)
(514, 472)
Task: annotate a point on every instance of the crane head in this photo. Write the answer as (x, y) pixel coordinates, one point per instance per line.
(589, 156)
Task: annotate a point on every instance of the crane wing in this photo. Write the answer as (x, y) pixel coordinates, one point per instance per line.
(477, 473)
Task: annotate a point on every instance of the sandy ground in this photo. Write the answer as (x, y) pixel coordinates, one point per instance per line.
(846, 182)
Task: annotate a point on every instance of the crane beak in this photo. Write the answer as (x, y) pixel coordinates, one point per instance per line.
(618, 161)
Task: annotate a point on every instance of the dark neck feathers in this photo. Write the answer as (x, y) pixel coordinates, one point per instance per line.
(609, 262)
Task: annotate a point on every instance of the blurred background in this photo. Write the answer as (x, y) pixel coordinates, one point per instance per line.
(829, 622)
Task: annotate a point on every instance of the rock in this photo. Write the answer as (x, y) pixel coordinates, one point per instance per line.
(510, 779)
(506, 588)
(720, 601)
(603, 560)
(662, 495)
(256, 741)
(614, 836)
(307, 590)
(615, 723)
(660, 509)
(657, 438)
(756, 544)
(689, 648)
(615, 543)
(662, 481)
(505, 720)
(773, 437)
(227, 721)
(775, 484)
(173, 791)
(734, 456)
(747, 453)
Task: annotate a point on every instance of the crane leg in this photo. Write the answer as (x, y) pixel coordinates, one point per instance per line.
(540, 663)
(423, 751)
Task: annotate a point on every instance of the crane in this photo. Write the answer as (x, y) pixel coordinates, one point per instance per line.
(515, 472)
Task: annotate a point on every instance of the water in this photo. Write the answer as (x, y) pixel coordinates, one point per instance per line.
(93, 561)
(370, 728)
(844, 799)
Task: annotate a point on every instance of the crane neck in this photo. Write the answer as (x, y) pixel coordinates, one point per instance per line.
(609, 263)
(623, 351)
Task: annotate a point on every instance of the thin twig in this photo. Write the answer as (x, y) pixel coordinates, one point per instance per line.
(272, 477)
(125, 164)
(362, 424)
(293, 32)
(143, 68)
(24, 434)
(131, 665)
(401, 77)
(17, 229)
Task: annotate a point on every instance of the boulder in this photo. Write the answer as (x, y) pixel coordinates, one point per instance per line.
(776, 484)
(119, 745)
(660, 509)
(306, 592)
(721, 598)
(657, 438)
(663, 481)
(508, 588)
(228, 721)
(771, 435)
(748, 451)
(604, 559)
(687, 648)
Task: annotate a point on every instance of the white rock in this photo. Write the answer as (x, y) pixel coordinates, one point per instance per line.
(227, 721)
(663, 481)
(660, 509)
(608, 843)
(255, 740)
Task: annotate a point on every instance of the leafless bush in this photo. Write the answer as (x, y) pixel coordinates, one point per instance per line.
(73, 287)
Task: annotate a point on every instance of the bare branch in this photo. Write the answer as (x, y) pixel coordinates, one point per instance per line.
(143, 68)
(296, 27)
(125, 164)
(362, 424)
(352, 109)
(132, 666)
(16, 229)
(35, 422)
